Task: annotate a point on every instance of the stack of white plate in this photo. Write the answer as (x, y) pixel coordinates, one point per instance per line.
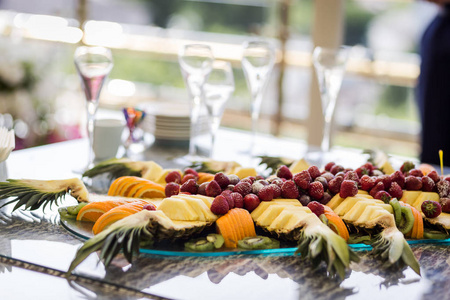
(170, 121)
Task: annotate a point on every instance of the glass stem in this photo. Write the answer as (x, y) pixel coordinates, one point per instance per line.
(91, 110)
(328, 115)
(195, 113)
(256, 107)
(214, 126)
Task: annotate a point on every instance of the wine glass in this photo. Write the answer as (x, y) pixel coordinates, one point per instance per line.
(258, 59)
(93, 64)
(218, 88)
(330, 66)
(196, 63)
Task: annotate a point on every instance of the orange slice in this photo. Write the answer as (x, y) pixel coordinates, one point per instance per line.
(204, 177)
(139, 189)
(92, 211)
(150, 191)
(128, 185)
(235, 225)
(117, 214)
(115, 185)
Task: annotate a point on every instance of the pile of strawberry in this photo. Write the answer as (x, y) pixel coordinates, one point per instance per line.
(385, 187)
(311, 185)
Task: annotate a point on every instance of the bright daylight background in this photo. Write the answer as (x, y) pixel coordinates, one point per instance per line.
(40, 93)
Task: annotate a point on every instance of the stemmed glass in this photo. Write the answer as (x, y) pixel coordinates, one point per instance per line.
(258, 59)
(330, 68)
(218, 88)
(196, 63)
(93, 64)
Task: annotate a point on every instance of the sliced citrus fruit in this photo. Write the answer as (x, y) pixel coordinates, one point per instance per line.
(128, 184)
(150, 191)
(92, 211)
(116, 184)
(133, 192)
(117, 214)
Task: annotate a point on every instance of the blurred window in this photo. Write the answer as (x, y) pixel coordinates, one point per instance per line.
(376, 102)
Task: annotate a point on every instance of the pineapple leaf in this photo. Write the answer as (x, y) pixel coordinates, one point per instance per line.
(409, 258)
(391, 246)
(319, 243)
(114, 168)
(273, 162)
(25, 194)
(125, 234)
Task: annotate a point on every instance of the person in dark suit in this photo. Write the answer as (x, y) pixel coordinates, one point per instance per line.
(433, 89)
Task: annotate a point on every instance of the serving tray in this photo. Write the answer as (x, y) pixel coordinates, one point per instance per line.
(83, 230)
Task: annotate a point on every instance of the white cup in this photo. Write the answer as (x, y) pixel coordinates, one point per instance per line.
(107, 138)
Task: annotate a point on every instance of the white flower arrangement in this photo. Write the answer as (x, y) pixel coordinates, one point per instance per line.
(25, 92)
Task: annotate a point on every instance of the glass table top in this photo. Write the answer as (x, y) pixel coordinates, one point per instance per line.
(38, 238)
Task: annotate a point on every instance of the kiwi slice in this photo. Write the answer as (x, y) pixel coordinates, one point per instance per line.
(216, 239)
(200, 244)
(64, 214)
(435, 235)
(75, 209)
(397, 208)
(275, 244)
(258, 242)
(407, 222)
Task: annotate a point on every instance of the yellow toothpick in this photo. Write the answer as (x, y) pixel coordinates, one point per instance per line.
(441, 158)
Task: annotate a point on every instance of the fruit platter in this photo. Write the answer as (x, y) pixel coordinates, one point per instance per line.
(220, 208)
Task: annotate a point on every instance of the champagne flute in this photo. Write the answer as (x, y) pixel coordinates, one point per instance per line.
(93, 64)
(258, 60)
(196, 64)
(330, 68)
(218, 88)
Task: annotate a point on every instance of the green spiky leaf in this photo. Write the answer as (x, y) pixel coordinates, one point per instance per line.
(24, 193)
(392, 247)
(273, 162)
(213, 166)
(318, 243)
(115, 168)
(125, 234)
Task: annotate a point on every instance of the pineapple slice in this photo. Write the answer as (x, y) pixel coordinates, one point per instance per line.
(346, 205)
(364, 195)
(207, 200)
(199, 206)
(335, 201)
(410, 196)
(298, 166)
(295, 219)
(180, 210)
(271, 213)
(244, 172)
(280, 223)
(387, 168)
(34, 193)
(442, 220)
(365, 212)
(355, 212)
(375, 215)
(265, 204)
(386, 206)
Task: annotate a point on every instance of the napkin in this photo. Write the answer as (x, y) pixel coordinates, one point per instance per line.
(7, 143)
